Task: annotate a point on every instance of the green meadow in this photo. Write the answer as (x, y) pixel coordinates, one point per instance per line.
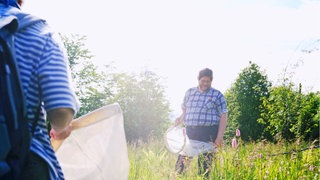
(259, 160)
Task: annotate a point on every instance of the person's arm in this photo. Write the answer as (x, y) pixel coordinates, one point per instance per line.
(60, 120)
(222, 128)
(180, 119)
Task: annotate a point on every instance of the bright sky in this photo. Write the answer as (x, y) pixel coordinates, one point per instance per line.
(177, 38)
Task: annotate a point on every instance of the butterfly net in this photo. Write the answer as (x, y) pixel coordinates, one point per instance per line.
(178, 142)
(98, 150)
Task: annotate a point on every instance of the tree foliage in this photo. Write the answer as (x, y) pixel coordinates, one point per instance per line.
(244, 100)
(233, 113)
(92, 86)
(145, 108)
(142, 98)
(291, 115)
(77, 53)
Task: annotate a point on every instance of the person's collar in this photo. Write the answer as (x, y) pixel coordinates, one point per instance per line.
(12, 3)
(198, 88)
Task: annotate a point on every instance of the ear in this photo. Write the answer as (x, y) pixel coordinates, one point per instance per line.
(20, 2)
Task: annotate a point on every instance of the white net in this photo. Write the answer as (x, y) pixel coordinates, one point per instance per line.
(178, 142)
(195, 148)
(175, 139)
(97, 148)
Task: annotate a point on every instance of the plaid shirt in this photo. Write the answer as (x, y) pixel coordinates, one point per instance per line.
(203, 109)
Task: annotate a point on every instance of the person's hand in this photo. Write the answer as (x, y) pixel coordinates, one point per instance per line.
(178, 121)
(61, 134)
(219, 141)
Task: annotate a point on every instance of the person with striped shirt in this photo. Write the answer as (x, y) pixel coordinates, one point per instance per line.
(204, 113)
(45, 76)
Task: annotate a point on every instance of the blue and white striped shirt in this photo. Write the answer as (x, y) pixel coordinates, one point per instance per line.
(45, 78)
(203, 108)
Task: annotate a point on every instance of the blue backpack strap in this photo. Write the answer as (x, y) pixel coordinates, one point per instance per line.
(12, 20)
(8, 26)
(9, 23)
(17, 19)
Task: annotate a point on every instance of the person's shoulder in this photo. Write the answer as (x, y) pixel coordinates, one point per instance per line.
(25, 20)
(28, 24)
(36, 25)
(192, 89)
(41, 31)
(215, 91)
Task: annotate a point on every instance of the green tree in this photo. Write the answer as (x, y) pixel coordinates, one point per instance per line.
(246, 93)
(279, 112)
(307, 127)
(92, 86)
(289, 114)
(233, 113)
(142, 98)
(145, 108)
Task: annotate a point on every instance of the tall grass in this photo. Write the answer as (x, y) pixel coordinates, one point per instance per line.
(262, 160)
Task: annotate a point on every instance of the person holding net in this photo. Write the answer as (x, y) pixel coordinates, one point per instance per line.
(204, 114)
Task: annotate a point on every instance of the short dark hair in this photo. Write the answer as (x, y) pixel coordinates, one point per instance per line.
(205, 72)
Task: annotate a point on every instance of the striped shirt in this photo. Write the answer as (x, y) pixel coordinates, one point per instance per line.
(45, 78)
(203, 108)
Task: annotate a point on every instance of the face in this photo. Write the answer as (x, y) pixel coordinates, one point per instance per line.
(204, 83)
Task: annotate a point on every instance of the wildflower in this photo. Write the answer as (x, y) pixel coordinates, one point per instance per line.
(310, 168)
(237, 132)
(234, 143)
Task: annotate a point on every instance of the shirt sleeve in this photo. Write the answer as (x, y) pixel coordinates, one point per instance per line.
(221, 104)
(185, 99)
(54, 76)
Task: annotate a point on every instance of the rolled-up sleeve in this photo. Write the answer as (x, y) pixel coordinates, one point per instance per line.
(55, 78)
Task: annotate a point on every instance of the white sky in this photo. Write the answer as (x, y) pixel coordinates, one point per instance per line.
(177, 38)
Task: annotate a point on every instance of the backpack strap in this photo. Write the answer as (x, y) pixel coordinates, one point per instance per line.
(13, 20)
(16, 20)
(9, 23)
(8, 26)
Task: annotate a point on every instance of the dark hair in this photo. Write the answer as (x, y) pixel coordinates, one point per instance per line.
(205, 72)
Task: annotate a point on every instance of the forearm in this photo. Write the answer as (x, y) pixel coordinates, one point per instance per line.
(60, 118)
(222, 125)
(183, 115)
(180, 119)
